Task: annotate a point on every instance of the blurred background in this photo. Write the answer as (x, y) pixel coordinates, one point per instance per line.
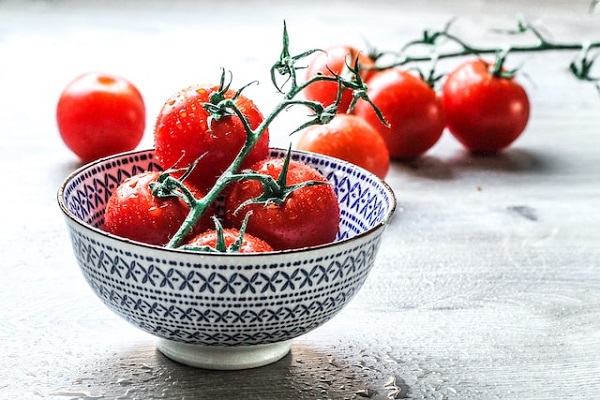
(45, 44)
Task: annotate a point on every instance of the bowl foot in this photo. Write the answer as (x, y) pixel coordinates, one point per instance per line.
(223, 358)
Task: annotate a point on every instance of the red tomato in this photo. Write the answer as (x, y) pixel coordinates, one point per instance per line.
(309, 216)
(185, 131)
(134, 213)
(349, 138)
(99, 115)
(334, 60)
(410, 106)
(485, 113)
(250, 244)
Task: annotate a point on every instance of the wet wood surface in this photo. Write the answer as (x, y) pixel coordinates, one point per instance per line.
(487, 285)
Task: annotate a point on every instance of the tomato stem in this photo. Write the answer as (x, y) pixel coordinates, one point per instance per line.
(434, 39)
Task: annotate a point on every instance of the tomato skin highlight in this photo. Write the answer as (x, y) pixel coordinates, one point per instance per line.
(484, 113)
(99, 115)
(309, 216)
(134, 213)
(183, 134)
(334, 60)
(410, 106)
(250, 244)
(351, 139)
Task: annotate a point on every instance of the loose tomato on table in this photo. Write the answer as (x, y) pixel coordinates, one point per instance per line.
(186, 132)
(307, 216)
(411, 108)
(133, 212)
(334, 61)
(486, 113)
(100, 114)
(349, 138)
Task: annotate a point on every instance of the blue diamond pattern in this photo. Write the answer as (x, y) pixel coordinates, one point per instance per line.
(224, 304)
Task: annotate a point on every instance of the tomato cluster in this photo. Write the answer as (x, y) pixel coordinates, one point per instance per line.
(206, 139)
(269, 203)
(485, 112)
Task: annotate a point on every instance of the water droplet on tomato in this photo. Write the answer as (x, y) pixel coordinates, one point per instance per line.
(245, 185)
(182, 113)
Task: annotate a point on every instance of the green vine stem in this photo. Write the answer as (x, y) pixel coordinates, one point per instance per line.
(581, 66)
(285, 67)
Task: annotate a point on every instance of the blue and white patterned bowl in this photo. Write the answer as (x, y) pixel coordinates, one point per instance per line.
(225, 311)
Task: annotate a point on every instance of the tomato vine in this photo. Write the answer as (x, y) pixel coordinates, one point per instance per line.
(285, 79)
(581, 66)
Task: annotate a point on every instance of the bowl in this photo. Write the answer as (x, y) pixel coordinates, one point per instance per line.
(225, 311)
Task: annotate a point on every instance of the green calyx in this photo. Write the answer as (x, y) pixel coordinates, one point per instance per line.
(220, 245)
(359, 89)
(218, 105)
(275, 191)
(167, 186)
(286, 65)
(583, 64)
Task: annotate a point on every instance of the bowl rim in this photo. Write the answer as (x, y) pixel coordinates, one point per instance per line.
(68, 179)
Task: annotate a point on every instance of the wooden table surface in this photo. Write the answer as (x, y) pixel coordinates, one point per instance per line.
(487, 285)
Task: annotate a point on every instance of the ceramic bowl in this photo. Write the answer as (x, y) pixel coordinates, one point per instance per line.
(225, 311)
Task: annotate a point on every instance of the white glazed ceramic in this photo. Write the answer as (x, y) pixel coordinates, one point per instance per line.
(225, 311)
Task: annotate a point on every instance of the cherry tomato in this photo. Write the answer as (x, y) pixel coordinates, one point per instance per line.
(309, 216)
(250, 244)
(484, 112)
(349, 138)
(186, 132)
(99, 115)
(133, 212)
(411, 108)
(333, 61)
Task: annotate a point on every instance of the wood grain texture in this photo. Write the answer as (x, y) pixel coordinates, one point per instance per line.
(487, 285)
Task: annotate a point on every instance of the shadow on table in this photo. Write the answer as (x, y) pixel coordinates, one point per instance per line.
(142, 372)
(512, 160)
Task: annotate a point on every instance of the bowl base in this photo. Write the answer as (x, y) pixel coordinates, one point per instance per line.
(223, 358)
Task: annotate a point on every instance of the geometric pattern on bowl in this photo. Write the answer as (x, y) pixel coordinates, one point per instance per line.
(225, 299)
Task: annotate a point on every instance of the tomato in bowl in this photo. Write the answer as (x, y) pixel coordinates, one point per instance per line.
(225, 310)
